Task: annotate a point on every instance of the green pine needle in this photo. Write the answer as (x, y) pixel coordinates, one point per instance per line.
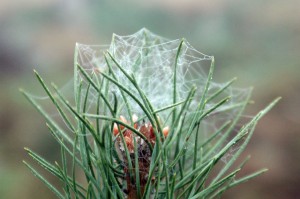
(148, 157)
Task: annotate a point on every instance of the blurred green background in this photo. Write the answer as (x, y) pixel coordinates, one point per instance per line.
(256, 41)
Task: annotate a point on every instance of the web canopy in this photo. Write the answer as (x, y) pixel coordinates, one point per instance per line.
(152, 59)
(157, 63)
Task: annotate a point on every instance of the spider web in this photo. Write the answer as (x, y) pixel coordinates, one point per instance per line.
(152, 59)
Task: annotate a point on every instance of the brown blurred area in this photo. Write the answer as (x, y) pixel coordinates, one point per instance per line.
(256, 41)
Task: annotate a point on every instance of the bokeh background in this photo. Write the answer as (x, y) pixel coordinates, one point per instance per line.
(256, 41)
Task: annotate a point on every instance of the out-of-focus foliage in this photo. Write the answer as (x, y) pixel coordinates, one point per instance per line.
(257, 41)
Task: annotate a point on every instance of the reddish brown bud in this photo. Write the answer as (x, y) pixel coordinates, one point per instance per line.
(115, 129)
(166, 131)
(129, 143)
